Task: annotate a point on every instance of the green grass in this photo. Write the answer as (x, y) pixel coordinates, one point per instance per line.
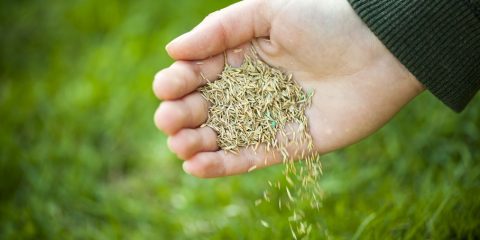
(80, 157)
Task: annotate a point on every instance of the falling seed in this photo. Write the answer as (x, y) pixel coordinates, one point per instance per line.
(265, 224)
(293, 232)
(289, 194)
(252, 105)
(265, 196)
(289, 180)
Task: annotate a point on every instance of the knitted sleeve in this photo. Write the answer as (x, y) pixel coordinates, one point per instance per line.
(438, 41)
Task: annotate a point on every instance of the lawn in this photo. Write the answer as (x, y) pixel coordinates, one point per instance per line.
(80, 157)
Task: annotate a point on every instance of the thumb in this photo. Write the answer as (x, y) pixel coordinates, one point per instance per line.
(221, 30)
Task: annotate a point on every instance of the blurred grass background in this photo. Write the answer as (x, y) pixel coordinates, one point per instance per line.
(80, 157)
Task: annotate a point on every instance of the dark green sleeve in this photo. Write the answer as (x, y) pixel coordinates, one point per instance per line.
(438, 41)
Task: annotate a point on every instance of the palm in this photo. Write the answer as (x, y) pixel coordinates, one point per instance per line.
(355, 78)
(358, 84)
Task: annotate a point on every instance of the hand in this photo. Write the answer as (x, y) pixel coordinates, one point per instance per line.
(359, 85)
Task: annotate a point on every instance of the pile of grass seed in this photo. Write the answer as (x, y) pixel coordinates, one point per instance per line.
(252, 105)
(257, 104)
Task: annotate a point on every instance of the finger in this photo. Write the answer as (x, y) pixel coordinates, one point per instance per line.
(224, 29)
(184, 77)
(189, 142)
(222, 163)
(188, 112)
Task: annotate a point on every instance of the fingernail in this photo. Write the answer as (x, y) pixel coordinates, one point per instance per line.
(186, 167)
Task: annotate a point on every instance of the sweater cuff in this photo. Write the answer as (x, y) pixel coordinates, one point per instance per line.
(438, 41)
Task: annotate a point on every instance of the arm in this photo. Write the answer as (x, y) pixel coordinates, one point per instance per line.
(438, 41)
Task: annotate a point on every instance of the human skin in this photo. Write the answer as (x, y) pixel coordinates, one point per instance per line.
(359, 85)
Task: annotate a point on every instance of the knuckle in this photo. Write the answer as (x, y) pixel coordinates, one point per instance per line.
(212, 15)
(189, 144)
(190, 70)
(199, 109)
(184, 74)
(203, 172)
(209, 139)
(179, 144)
(211, 166)
(172, 82)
